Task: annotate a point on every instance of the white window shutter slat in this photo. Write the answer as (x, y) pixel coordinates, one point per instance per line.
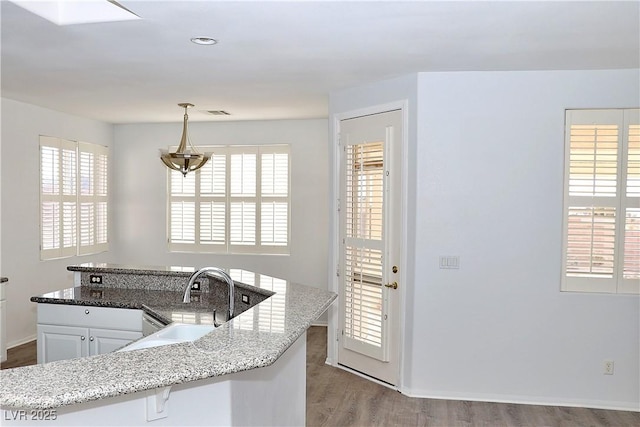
(593, 160)
(69, 225)
(591, 242)
(212, 223)
(242, 223)
(631, 268)
(87, 224)
(93, 176)
(274, 223)
(50, 225)
(601, 242)
(213, 176)
(182, 185)
(243, 174)
(49, 170)
(183, 222)
(74, 197)
(240, 199)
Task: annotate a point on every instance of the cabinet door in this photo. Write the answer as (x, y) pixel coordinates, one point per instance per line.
(61, 342)
(103, 341)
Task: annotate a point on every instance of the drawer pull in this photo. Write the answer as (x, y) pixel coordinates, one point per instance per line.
(91, 339)
(82, 338)
(86, 312)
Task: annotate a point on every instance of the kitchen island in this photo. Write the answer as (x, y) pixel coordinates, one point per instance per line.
(248, 371)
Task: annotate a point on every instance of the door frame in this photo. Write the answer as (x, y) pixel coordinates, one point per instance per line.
(333, 313)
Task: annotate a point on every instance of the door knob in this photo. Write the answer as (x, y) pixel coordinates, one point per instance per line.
(393, 285)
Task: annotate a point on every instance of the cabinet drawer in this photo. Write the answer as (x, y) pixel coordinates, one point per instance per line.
(90, 317)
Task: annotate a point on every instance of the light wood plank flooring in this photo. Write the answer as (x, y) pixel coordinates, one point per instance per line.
(338, 398)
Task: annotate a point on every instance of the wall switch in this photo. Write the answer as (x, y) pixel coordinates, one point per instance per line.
(245, 298)
(607, 368)
(195, 286)
(449, 262)
(95, 279)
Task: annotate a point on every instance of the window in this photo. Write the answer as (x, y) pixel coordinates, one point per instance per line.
(237, 203)
(601, 245)
(73, 198)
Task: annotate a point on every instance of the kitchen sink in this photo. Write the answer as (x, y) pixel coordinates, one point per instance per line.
(172, 334)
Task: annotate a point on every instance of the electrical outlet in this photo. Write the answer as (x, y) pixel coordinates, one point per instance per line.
(195, 286)
(95, 279)
(607, 367)
(245, 298)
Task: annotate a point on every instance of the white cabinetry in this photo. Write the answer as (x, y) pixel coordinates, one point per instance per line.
(70, 331)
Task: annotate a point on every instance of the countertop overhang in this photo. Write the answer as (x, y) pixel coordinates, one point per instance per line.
(256, 338)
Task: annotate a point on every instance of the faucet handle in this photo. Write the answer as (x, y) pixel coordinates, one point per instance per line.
(215, 323)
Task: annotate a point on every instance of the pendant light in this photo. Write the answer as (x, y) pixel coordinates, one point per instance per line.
(184, 160)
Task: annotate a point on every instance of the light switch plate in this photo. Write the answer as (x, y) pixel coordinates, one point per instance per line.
(450, 262)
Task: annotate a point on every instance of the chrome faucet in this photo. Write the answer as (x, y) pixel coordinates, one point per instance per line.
(220, 272)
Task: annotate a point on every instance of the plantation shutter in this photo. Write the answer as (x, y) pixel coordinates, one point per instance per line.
(243, 198)
(213, 206)
(237, 203)
(58, 185)
(274, 211)
(73, 198)
(93, 200)
(182, 209)
(363, 248)
(630, 205)
(601, 242)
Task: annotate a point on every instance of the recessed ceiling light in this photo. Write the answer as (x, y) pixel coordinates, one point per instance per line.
(204, 40)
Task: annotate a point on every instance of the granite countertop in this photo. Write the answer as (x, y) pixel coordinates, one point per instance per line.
(164, 305)
(255, 338)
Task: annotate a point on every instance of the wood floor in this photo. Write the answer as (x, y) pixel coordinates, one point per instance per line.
(338, 398)
(21, 355)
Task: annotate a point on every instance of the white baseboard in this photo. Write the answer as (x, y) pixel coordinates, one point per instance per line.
(524, 400)
(21, 341)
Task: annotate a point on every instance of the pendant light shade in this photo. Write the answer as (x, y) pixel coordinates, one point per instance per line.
(184, 160)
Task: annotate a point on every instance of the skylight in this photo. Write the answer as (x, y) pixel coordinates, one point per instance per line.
(78, 11)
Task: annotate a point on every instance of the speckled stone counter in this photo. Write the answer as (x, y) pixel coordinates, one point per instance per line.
(253, 339)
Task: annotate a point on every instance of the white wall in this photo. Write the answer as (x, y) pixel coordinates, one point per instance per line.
(20, 172)
(141, 199)
(488, 187)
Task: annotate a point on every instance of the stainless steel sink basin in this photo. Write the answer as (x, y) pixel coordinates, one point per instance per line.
(172, 334)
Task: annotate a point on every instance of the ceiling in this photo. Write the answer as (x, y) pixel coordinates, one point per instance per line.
(281, 59)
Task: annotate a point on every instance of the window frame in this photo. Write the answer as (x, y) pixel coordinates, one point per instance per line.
(88, 234)
(259, 199)
(602, 197)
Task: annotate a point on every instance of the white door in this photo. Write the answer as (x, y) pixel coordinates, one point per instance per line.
(370, 233)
